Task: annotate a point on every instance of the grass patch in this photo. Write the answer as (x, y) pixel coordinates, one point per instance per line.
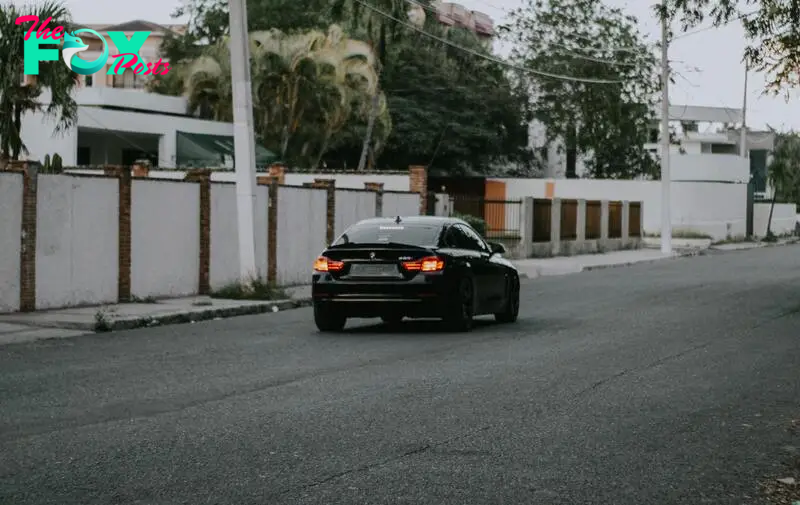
(736, 240)
(101, 322)
(253, 290)
(146, 299)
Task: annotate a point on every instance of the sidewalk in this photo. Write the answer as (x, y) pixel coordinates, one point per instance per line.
(65, 323)
(564, 265)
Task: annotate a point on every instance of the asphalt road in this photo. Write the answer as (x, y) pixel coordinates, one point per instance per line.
(653, 384)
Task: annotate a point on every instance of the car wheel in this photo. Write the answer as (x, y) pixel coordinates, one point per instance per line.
(463, 309)
(327, 320)
(511, 310)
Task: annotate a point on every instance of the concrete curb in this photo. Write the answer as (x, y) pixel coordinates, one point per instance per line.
(757, 245)
(684, 254)
(199, 314)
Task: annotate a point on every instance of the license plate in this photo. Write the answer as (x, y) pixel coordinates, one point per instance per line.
(376, 270)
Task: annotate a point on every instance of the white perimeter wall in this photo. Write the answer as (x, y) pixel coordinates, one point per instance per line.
(165, 238)
(716, 209)
(784, 218)
(391, 182)
(224, 268)
(10, 240)
(77, 241)
(400, 204)
(77, 253)
(351, 207)
(302, 226)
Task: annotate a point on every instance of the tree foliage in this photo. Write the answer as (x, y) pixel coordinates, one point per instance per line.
(771, 26)
(304, 87)
(586, 40)
(783, 172)
(18, 99)
(441, 104)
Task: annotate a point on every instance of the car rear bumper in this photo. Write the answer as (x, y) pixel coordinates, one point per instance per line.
(423, 296)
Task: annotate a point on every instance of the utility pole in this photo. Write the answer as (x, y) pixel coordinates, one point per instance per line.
(666, 204)
(744, 154)
(743, 140)
(243, 139)
(373, 113)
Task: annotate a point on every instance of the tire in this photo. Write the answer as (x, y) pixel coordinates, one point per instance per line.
(461, 313)
(511, 310)
(327, 320)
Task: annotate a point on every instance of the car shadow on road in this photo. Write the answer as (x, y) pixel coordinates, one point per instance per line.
(531, 326)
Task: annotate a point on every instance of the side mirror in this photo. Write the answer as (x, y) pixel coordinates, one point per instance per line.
(497, 248)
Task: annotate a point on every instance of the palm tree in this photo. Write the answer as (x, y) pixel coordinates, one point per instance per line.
(19, 96)
(304, 87)
(783, 172)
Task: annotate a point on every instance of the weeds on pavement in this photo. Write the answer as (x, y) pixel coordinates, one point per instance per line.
(255, 289)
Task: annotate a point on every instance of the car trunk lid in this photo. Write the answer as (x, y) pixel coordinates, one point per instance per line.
(378, 261)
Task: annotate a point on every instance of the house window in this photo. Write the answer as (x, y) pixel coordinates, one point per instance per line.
(89, 81)
(130, 80)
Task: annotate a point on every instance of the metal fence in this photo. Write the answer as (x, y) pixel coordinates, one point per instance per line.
(541, 220)
(594, 220)
(635, 220)
(569, 220)
(615, 220)
(502, 218)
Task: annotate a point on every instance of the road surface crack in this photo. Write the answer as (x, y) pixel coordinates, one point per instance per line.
(644, 368)
(377, 464)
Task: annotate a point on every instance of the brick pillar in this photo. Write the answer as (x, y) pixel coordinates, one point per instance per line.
(377, 187)
(418, 183)
(279, 171)
(123, 175)
(203, 177)
(140, 170)
(27, 271)
(266, 180)
(272, 233)
(330, 186)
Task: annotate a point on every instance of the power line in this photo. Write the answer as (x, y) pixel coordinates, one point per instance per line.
(711, 27)
(486, 57)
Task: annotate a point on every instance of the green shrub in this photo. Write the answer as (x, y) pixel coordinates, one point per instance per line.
(477, 223)
(256, 289)
(57, 167)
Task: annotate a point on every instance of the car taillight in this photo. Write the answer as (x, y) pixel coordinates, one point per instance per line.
(429, 264)
(324, 264)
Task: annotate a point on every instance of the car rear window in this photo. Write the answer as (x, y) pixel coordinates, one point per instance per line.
(414, 234)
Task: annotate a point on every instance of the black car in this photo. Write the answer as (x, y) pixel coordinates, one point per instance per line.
(416, 267)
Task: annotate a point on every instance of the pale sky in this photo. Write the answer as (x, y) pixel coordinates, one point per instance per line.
(709, 61)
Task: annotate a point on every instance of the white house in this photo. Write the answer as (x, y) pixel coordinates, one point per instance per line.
(708, 153)
(119, 122)
(150, 52)
(120, 126)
